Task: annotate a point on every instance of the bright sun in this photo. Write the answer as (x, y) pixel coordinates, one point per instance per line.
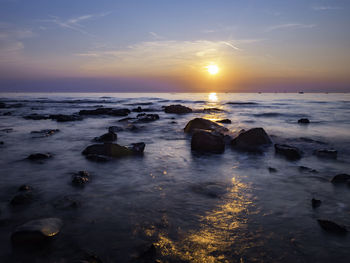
(213, 69)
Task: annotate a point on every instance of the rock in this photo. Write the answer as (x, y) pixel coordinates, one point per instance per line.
(1, 142)
(210, 189)
(39, 156)
(80, 178)
(119, 112)
(148, 255)
(137, 148)
(65, 118)
(2, 105)
(325, 153)
(332, 227)
(108, 149)
(341, 179)
(36, 116)
(105, 111)
(126, 119)
(210, 110)
(37, 231)
(138, 109)
(67, 202)
(315, 202)
(251, 140)
(290, 152)
(304, 121)
(107, 137)
(22, 198)
(97, 158)
(272, 170)
(177, 109)
(8, 113)
(224, 121)
(115, 129)
(143, 117)
(45, 133)
(204, 141)
(203, 124)
(25, 187)
(304, 169)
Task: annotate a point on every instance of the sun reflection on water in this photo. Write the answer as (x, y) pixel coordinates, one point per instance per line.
(213, 97)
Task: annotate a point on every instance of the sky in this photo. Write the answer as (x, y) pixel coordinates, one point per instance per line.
(166, 46)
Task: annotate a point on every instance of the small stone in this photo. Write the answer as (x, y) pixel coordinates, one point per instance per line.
(107, 137)
(115, 129)
(65, 118)
(326, 153)
(332, 227)
(138, 148)
(225, 121)
(39, 156)
(143, 117)
(304, 121)
(272, 170)
(25, 187)
(80, 178)
(315, 202)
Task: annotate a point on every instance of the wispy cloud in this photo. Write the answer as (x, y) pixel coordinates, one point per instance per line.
(156, 36)
(325, 8)
(289, 26)
(74, 23)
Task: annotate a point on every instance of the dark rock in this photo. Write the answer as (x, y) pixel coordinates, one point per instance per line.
(115, 129)
(46, 132)
(224, 121)
(2, 105)
(107, 137)
(177, 109)
(143, 117)
(15, 105)
(108, 149)
(138, 109)
(97, 158)
(7, 130)
(203, 124)
(36, 116)
(290, 152)
(304, 169)
(341, 179)
(80, 178)
(65, 118)
(25, 187)
(210, 110)
(304, 121)
(67, 202)
(1, 142)
(332, 227)
(325, 153)
(119, 112)
(22, 198)
(204, 141)
(105, 111)
(37, 231)
(149, 254)
(137, 148)
(126, 119)
(315, 202)
(210, 189)
(251, 140)
(272, 170)
(8, 113)
(39, 156)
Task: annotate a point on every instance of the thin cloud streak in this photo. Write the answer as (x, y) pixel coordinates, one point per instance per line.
(325, 8)
(289, 26)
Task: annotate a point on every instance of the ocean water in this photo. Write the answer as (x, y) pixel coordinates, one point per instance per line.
(192, 207)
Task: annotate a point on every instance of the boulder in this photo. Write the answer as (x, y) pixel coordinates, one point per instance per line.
(177, 109)
(227, 121)
(108, 149)
(107, 137)
(290, 152)
(39, 156)
(203, 124)
(332, 227)
(304, 121)
(143, 117)
(37, 231)
(65, 118)
(326, 153)
(341, 179)
(251, 140)
(204, 141)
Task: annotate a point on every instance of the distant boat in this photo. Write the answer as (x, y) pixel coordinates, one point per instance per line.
(301, 92)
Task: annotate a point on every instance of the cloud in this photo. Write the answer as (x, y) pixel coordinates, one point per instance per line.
(74, 23)
(325, 8)
(289, 26)
(155, 35)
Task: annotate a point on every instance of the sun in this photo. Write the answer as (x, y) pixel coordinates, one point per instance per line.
(213, 69)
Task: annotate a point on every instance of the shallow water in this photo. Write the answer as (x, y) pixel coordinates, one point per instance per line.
(193, 207)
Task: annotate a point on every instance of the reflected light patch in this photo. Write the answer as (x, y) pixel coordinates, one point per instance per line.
(213, 97)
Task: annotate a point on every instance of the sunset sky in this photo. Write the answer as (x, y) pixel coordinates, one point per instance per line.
(81, 45)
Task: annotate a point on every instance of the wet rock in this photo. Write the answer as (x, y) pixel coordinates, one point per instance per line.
(332, 227)
(25, 187)
(203, 124)
(67, 202)
(326, 153)
(210, 189)
(45, 133)
(204, 141)
(177, 109)
(315, 202)
(89, 258)
(108, 149)
(119, 112)
(126, 119)
(148, 255)
(137, 148)
(1, 142)
(224, 121)
(211, 110)
(36, 116)
(39, 156)
(138, 109)
(143, 117)
(2, 105)
(290, 152)
(22, 198)
(8, 113)
(37, 231)
(251, 140)
(341, 179)
(7, 130)
(304, 169)
(107, 137)
(97, 158)
(65, 118)
(115, 129)
(80, 178)
(304, 121)
(105, 111)
(272, 170)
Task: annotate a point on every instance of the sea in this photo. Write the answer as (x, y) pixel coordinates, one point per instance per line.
(172, 204)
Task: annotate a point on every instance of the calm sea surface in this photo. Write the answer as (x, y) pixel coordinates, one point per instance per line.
(192, 207)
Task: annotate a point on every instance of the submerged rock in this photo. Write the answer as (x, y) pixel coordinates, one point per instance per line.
(210, 189)
(107, 137)
(227, 121)
(115, 129)
(203, 124)
(65, 118)
(97, 158)
(304, 121)
(272, 170)
(45, 133)
(36, 116)
(315, 202)
(341, 179)
(112, 150)
(39, 156)
(25, 187)
(105, 111)
(143, 117)
(22, 198)
(290, 152)
(326, 153)
(2, 105)
(304, 169)
(204, 141)
(67, 202)
(37, 231)
(332, 227)
(80, 178)
(177, 109)
(137, 148)
(1, 142)
(251, 140)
